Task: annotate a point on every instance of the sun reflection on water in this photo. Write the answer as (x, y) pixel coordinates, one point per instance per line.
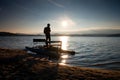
(64, 40)
(64, 58)
(63, 62)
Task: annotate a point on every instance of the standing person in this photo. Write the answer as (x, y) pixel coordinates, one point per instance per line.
(47, 31)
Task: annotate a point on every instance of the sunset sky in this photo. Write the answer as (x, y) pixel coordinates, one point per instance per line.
(65, 16)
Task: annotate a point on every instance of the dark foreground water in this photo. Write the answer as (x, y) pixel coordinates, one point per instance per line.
(97, 52)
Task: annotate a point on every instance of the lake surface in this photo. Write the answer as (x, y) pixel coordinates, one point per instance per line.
(96, 52)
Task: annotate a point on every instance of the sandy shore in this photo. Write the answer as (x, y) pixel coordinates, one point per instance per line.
(18, 65)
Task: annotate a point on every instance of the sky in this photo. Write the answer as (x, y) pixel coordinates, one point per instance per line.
(65, 16)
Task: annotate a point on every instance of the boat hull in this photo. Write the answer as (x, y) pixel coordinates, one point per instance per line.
(44, 52)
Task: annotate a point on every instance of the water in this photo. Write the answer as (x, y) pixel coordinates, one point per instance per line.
(96, 52)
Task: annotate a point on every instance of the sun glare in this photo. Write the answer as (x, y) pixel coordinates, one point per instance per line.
(64, 23)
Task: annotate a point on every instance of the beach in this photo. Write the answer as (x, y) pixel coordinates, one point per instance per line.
(16, 64)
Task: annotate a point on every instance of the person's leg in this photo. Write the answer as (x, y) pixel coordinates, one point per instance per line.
(49, 39)
(46, 40)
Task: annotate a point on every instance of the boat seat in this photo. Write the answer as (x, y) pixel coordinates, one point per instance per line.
(39, 40)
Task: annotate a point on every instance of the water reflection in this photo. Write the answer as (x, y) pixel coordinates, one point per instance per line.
(63, 59)
(63, 62)
(64, 56)
(64, 40)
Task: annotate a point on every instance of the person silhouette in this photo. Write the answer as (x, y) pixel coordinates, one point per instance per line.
(47, 31)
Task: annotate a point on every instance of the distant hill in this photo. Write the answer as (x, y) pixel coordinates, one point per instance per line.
(16, 34)
(7, 34)
(92, 35)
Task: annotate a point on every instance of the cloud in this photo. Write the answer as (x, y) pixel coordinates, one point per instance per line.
(56, 4)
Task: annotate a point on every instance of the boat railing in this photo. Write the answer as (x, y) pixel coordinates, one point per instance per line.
(41, 42)
(38, 42)
(55, 43)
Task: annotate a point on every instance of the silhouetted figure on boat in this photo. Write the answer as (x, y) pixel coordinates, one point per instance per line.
(47, 31)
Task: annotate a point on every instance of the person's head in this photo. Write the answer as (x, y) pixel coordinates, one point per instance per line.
(48, 25)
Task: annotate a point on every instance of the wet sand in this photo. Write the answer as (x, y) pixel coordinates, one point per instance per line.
(19, 65)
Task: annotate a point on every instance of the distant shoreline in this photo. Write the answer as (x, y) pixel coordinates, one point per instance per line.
(83, 35)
